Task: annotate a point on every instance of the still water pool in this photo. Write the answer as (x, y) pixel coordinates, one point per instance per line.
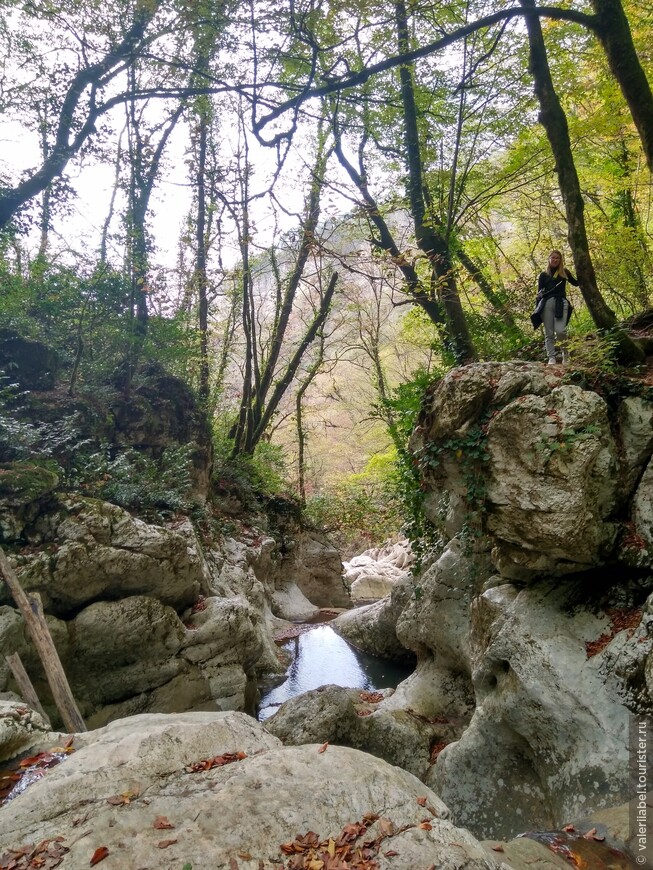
(320, 658)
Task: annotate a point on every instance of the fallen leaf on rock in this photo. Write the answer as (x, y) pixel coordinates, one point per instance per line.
(245, 856)
(386, 827)
(233, 864)
(569, 828)
(99, 855)
(324, 747)
(163, 844)
(161, 822)
(309, 840)
(371, 697)
(45, 855)
(200, 604)
(498, 848)
(216, 761)
(620, 620)
(426, 826)
(421, 801)
(363, 712)
(391, 853)
(121, 800)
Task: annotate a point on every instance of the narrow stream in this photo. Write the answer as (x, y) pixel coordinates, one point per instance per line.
(320, 658)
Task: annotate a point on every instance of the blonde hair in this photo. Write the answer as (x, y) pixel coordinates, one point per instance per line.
(560, 272)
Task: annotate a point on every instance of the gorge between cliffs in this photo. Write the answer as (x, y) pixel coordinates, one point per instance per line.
(529, 622)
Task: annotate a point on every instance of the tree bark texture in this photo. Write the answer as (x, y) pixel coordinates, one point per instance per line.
(613, 31)
(429, 241)
(553, 119)
(25, 687)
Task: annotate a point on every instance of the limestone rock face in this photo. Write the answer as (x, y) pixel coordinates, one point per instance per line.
(435, 625)
(535, 461)
(372, 574)
(138, 615)
(552, 484)
(20, 728)
(549, 735)
(235, 814)
(25, 488)
(92, 550)
(362, 720)
(533, 627)
(306, 564)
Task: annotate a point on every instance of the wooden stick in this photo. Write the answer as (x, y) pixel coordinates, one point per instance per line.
(32, 611)
(25, 687)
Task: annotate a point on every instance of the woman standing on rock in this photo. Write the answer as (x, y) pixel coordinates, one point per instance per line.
(553, 309)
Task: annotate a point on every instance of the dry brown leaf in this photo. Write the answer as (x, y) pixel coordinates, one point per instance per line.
(371, 697)
(498, 848)
(324, 747)
(244, 855)
(569, 829)
(426, 826)
(163, 844)
(391, 853)
(216, 761)
(421, 801)
(386, 827)
(161, 823)
(99, 855)
(233, 864)
(121, 800)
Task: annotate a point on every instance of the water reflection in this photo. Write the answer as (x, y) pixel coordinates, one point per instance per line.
(320, 658)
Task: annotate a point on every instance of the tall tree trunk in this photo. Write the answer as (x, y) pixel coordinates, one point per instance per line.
(299, 419)
(614, 34)
(112, 205)
(200, 260)
(626, 209)
(288, 374)
(432, 243)
(554, 121)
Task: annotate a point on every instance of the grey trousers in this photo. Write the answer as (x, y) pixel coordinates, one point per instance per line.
(554, 327)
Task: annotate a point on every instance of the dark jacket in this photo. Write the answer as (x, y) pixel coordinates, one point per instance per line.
(549, 287)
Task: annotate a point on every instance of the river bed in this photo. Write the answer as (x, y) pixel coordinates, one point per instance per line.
(320, 657)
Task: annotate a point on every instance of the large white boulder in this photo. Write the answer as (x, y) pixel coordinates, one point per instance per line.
(130, 789)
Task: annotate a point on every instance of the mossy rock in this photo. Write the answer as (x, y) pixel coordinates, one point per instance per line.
(22, 483)
(32, 364)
